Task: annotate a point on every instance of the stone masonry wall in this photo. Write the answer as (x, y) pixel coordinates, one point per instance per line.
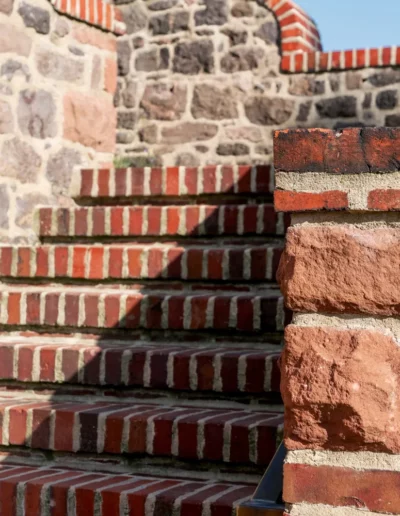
(339, 273)
(57, 80)
(200, 82)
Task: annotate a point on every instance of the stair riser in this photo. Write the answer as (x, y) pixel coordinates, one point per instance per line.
(172, 181)
(159, 221)
(127, 263)
(184, 433)
(153, 312)
(196, 370)
(77, 493)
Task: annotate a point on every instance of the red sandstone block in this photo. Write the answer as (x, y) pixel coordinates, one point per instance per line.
(307, 201)
(349, 151)
(384, 200)
(338, 487)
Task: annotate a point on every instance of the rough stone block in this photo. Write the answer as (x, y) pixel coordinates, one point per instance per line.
(213, 102)
(19, 161)
(163, 101)
(60, 167)
(35, 17)
(57, 66)
(6, 118)
(335, 396)
(188, 132)
(14, 41)
(269, 110)
(37, 114)
(6, 6)
(195, 57)
(342, 269)
(90, 120)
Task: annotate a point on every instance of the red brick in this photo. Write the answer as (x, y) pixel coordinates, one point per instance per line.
(25, 363)
(349, 151)
(61, 261)
(115, 263)
(14, 316)
(103, 182)
(192, 220)
(6, 261)
(79, 259)
(173, 220)
(209, 179)
(195, 264)
(172, 181)
(111, 310)
(155, 262)
(132, 318)
(227, 181)
(384, 200)
(175, 312)
(117, 225)
(137, 178)
(98, 221)
(120, 181)
(47, 364)
(6, 362)
(156, 181)
(33, 308)
(215, 260)
(91, 310)
(302, 201)
(23, 257)
(135, 221)
(81, 223)
(71, 309)
(174, 269)
(335, 486)
(199, 312)
(96, 256)
(86, 182)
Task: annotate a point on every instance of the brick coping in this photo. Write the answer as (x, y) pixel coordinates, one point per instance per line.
(93, 12)
(301, 47)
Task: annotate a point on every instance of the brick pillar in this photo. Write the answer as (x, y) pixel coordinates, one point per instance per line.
(340, 274)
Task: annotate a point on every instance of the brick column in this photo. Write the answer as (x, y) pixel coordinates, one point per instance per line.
(340, 274)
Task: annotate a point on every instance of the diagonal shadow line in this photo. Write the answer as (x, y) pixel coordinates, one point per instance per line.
(100, 370)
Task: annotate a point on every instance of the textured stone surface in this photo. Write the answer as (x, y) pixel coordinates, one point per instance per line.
(344, 106)
(268, 32)
(193, 58)
(59, 169)
(90, 121)
(129, 94)
(147, 61)
(4, 207)
(342, 269)
(306, 86)
(6, 6)
(60, 67)
(124, 56)
(242, 8)
(25, 207)
(269, 111)
(213, 102)
(188, 132)
(335, 395)
(164, 101)
(232, 149)
(242, 60)
(6, 118)
(12, 68)
(215, 13)
(252, 134)
(386, 99)
(169, 23)
(37, 114)
(35, 17)
(134, 17)
(19, 161)
(14, 41)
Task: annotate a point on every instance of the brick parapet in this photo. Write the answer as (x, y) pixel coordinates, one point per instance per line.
(339, 275)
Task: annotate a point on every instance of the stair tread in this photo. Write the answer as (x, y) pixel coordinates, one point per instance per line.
(126, 261)
(112, 494)
(172, 181)
(159, 221)
(166, 365)
(120, 307)
(235, 436)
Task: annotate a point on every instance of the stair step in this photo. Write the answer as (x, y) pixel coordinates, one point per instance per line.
(183, 432)
(101, 262)
(160, 221)
(33, 490)
(171, 181)
(165, 366)
(123, 308)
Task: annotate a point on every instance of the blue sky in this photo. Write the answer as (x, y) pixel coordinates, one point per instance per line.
(347, 24)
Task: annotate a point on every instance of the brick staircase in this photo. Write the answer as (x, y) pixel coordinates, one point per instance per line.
(139, 346)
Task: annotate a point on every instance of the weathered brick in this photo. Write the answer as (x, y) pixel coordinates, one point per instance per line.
(307, 201)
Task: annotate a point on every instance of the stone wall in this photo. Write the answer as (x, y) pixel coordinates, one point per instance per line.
(57, 80)
(201, 82)
(340, 275)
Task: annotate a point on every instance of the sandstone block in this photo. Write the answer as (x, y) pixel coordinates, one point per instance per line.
(188, 132)
(149, 134)
(213, 102)
(342, 269)
(269, 110)
(6, 118)
(97, 72)
(90, 120)
(195, 57)
(306, 86)
(37, 114)
(241, 9)
(57, 66)
(6, 6)
(110, 74)
(19, 161)
(252, 134)
(35, 17)
(340, 389)
(14, 41)
(94, 37)
(163, 101)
